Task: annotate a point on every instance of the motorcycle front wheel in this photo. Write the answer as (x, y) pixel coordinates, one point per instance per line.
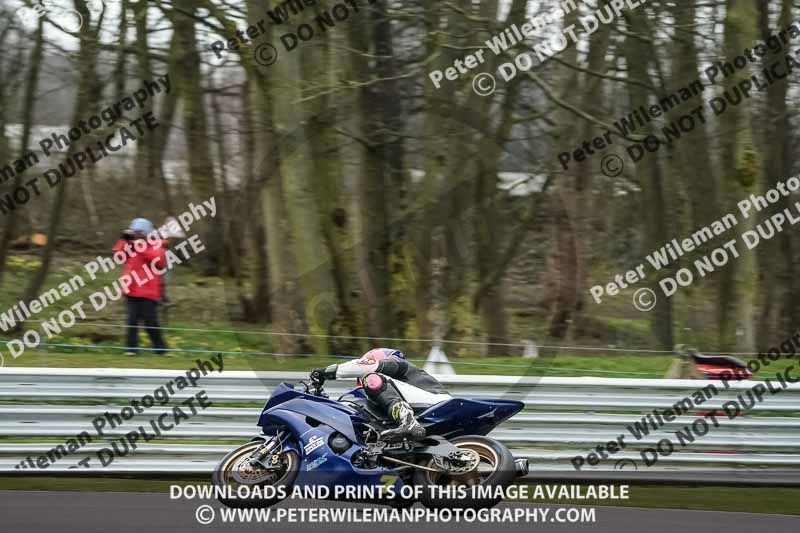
(235, 470)
(495, 468)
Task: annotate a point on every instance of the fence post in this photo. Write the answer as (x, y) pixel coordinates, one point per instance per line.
(531, 350)
(437, 362)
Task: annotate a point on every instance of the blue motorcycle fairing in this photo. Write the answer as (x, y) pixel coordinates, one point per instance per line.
(450, 418)
(320, 465)
(312, 420)
(302, 410)
(312, 424)
(286, 391)
(457, 417)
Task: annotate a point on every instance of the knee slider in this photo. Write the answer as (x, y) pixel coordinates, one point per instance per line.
(374, 384)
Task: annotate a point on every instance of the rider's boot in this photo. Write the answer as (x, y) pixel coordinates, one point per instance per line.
(408, 426)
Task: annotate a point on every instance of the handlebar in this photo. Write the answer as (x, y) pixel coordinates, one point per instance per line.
(314, 389)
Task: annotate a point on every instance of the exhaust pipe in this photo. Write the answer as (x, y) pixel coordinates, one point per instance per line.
(521, 466)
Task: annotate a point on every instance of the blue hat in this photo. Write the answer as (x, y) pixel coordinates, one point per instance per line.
(141, 225)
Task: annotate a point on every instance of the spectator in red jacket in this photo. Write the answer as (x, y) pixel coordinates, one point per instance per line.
(144, 293)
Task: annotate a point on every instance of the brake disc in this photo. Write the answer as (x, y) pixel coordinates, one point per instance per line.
(248, 474)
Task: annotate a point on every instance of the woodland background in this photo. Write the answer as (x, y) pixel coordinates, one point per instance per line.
(358, 201)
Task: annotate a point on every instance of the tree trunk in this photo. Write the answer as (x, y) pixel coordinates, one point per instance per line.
(87, 58)
(562, 274)
(654, 195)
(697, 201)
(201, 173)
(594, 99)
(31, 88)
(775, 255)
(322, 70)
(738, 288)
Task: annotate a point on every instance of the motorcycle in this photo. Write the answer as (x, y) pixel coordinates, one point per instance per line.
(310, 440)
(713, 367)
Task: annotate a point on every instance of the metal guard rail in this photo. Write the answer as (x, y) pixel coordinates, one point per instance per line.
(564, 417)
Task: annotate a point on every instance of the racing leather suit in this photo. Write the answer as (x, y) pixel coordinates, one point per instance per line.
(393, 384)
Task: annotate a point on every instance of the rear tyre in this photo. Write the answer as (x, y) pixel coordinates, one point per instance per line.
(495, 468)
(235, 470)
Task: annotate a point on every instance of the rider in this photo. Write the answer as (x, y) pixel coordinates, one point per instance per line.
(383, 373)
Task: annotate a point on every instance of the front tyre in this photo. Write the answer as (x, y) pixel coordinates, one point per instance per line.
(235, 470)
(495, 469)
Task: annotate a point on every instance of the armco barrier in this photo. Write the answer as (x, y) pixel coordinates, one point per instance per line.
(564, 417)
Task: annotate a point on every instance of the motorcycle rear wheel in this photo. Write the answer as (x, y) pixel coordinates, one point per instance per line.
(496, 468)
(235, 465)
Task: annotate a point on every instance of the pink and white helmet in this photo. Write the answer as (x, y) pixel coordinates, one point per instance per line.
(377, 354)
